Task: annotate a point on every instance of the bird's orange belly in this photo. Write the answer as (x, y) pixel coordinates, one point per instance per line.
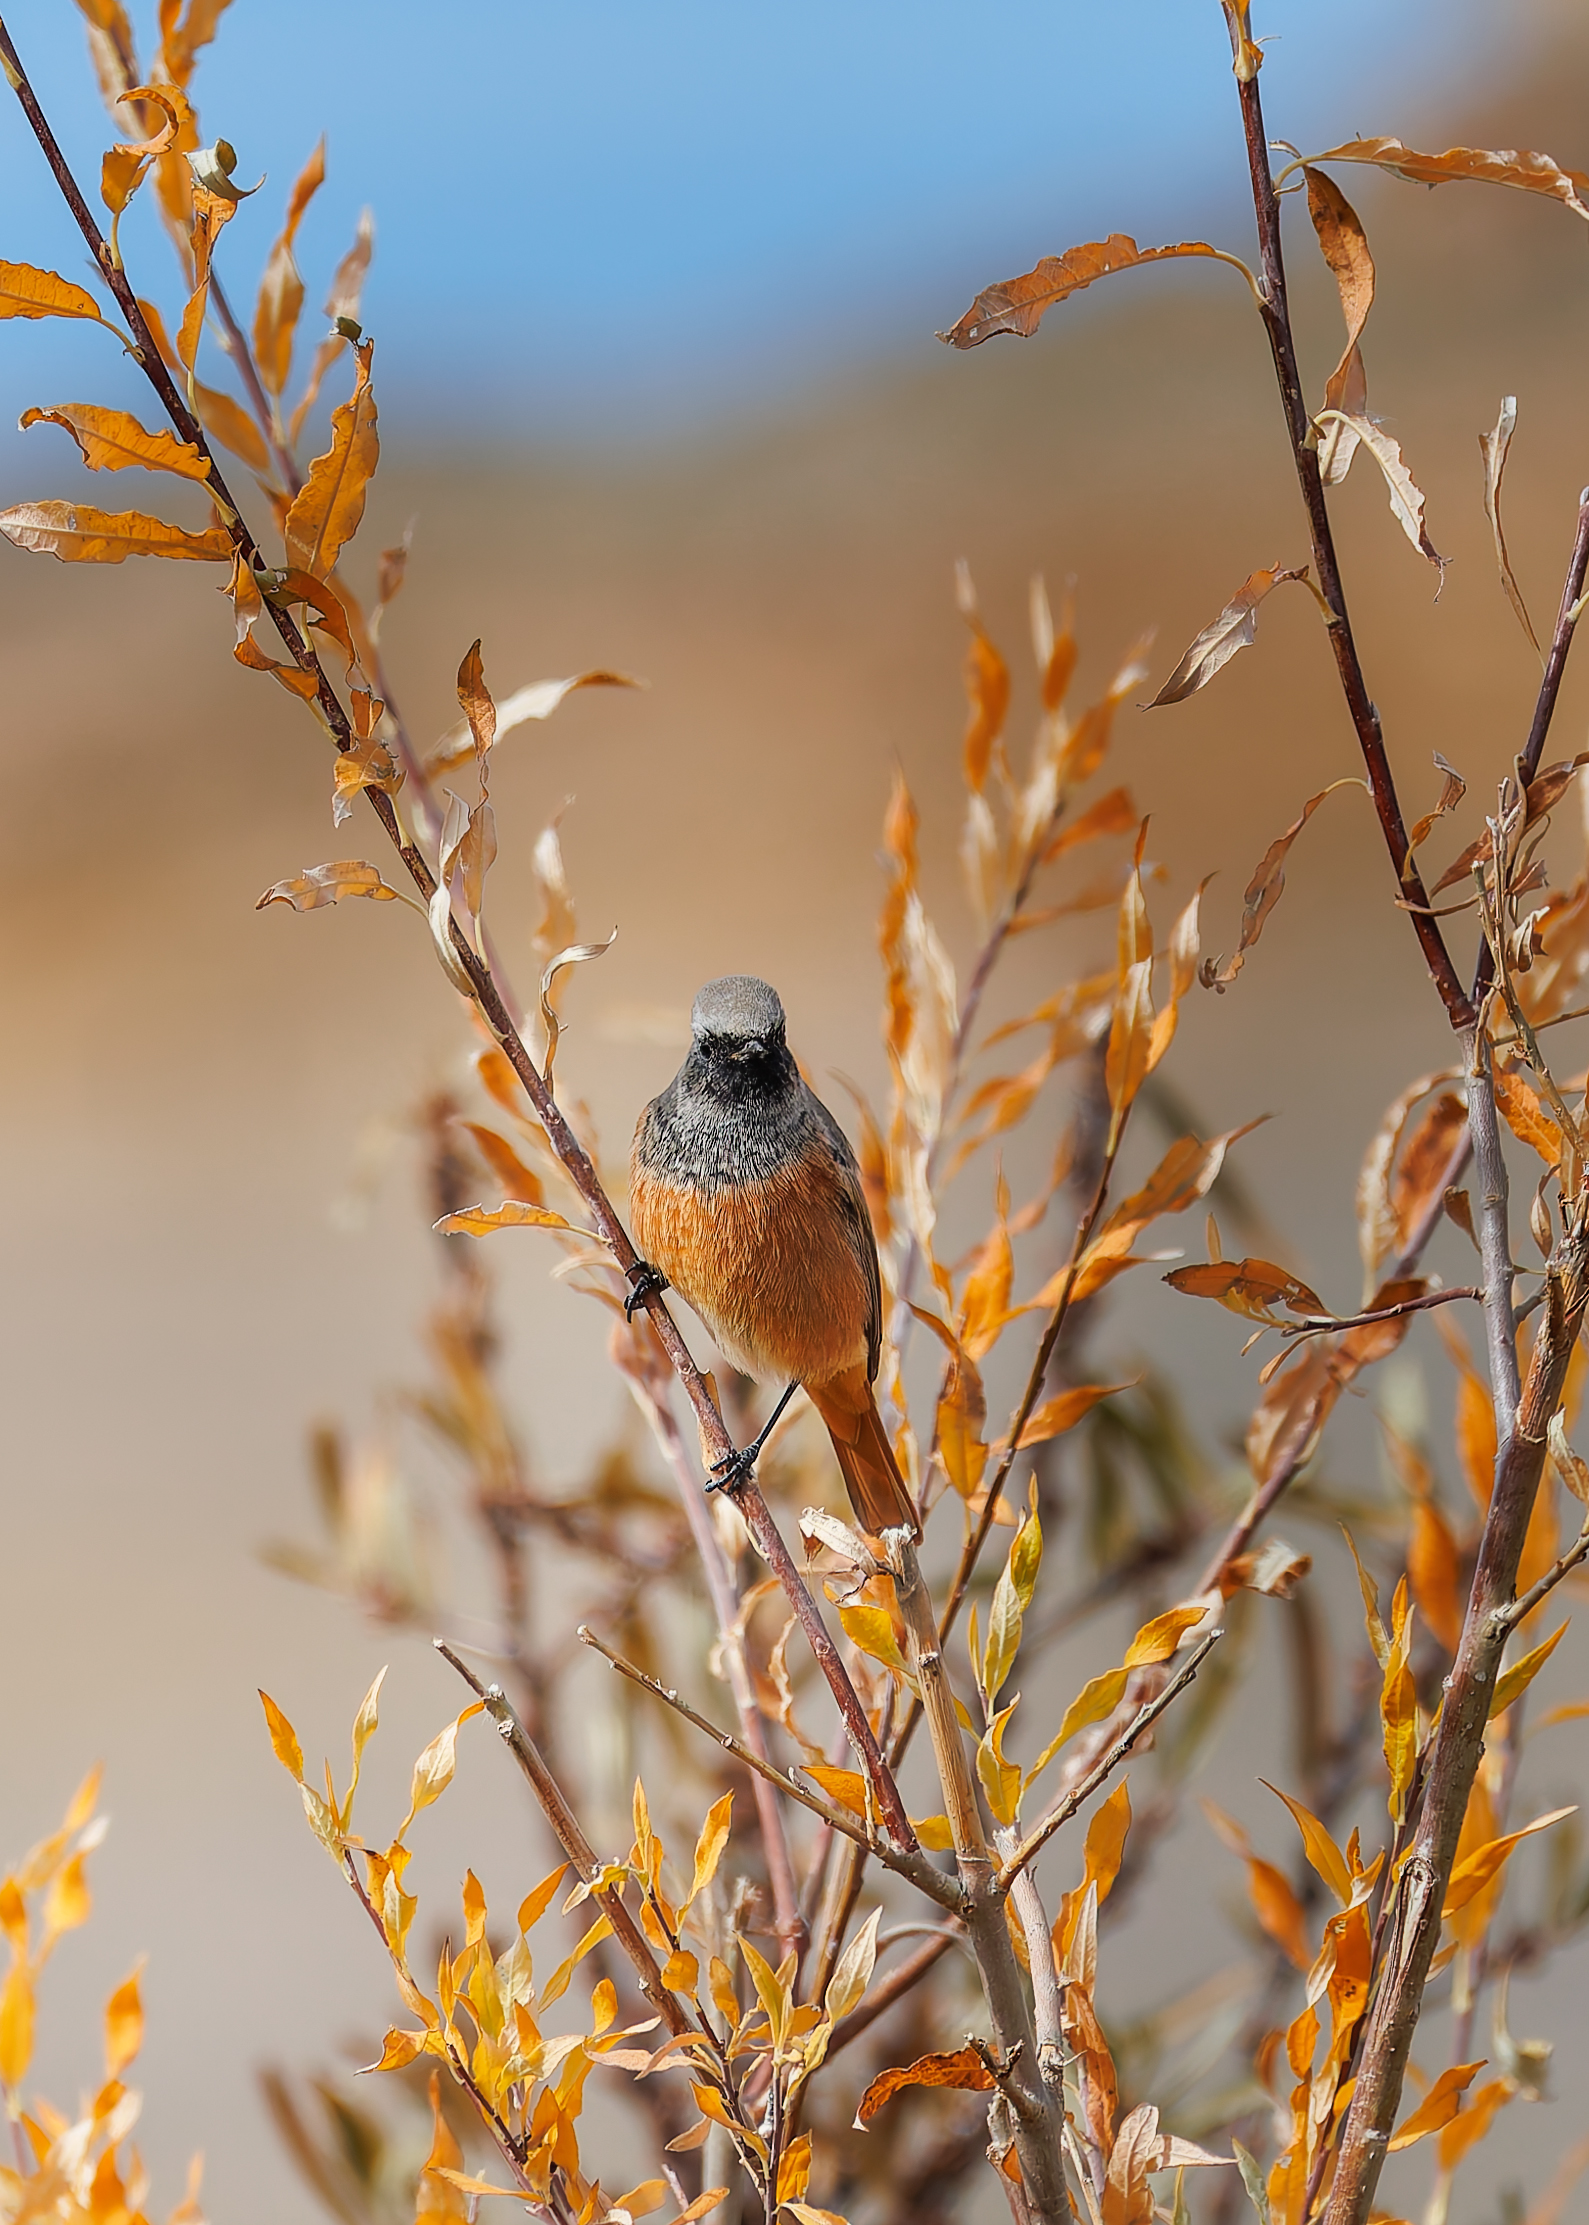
(768, 1266)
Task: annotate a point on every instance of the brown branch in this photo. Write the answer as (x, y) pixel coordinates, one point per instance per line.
(1323, 1323)
(487, 997)
(916, 1868)
(1414, 1926)
(1563, 1565)
(1365, 718)
(1062, 1811)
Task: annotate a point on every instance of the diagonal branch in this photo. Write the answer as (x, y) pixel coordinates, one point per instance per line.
(483, 989)
(916, 1868)
(1276, 314)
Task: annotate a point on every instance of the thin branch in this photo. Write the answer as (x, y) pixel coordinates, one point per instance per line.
(1365, 718)
(788, 1920)
(1322, 1324)
(917, 1869)
(1495, 1237)
(242, 356)
(1061, 1813)
(1520, 1609)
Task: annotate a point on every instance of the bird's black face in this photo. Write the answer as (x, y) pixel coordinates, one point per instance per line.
(734, 1068)
(737, 1050)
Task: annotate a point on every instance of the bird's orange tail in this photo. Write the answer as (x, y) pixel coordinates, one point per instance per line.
(878, 1492)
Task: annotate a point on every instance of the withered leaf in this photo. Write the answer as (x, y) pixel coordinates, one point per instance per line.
(1250, 1286)
(319, 885)
(1017, 305)
(347, 288)
(1235, 628)
(963, 2067)
(576, 954)
(516, 1178)
(1531, 173)
(537, 701)
(1263, 892)
(1345, 249)
(1064, 1410)
(111, 440)
(1451, 794)
(78, 535)
(28, 292)
(1493, 447)
(329, 506)
(1526, 1116)
(222, 418)
(1406, 498)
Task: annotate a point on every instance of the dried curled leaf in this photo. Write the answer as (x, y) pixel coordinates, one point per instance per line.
(1406, 498)
(281, 289)
(963, 2068)
(1345, 249)
(1263, 892)
(1017, 305)
(111, 440)
(1235, 628)
(78, 535)
(1529, 172)
(1250, 1286)
(575, 954)
(319, 885)
(537, 701)
(1493, 447)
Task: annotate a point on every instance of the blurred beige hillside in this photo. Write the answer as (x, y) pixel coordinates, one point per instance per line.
(191, 1092)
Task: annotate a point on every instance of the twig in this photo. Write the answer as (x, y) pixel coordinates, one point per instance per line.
(1520, 1609)
(1037, 2116)
(917, 1869)
(1104, 1768)
(788, 1920)
(1495, 1238)
(1322, 1324)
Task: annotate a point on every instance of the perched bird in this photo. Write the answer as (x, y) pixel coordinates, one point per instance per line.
(746, 1197)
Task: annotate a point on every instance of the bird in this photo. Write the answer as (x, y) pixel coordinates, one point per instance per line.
(747, 1200)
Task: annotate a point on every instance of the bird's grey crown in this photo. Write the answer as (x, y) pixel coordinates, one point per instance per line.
(737, 1005)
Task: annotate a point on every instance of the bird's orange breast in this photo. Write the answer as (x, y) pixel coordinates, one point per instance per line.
(771, 1267)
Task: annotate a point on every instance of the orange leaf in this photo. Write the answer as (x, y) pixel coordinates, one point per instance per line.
(329, 506)
(1017, 304)
(1274, 1903)
(1439, 2105)
(963, 2068)
(479, 1220)
(1468, 2128)
(1324, 1856)
(1263, 892)
(1473, 1874)
(123, 2025)
(281, 288)
(78, 535)
(27, 292)
(319, 885)
(1526, 1116)
(110, 440)
(1250, 1286)
(1064, 1410)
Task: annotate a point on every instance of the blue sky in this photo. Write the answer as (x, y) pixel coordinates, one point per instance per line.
(630, 214)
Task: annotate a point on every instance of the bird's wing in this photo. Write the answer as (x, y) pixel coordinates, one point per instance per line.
(852, 1203)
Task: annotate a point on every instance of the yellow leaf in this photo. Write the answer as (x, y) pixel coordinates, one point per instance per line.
(123, 2025)
(69, 1903)
(27, 292)
(365, 1724)
(872, 1630)
(794, 2169)
(283, 1738)
(534, 1905)
(401, 2049)
(681, 1973)
(78, 535)
(1096, 1699)
(1473, 1874)
(704, 2204)
(329, 506)
(319, 885)
(935, 1834)
(846, 1786)
(111, 440)
(433, 1771)
(480, 1220)
(1158, 1639)
(1439, 2105)
(1398, 1706)
(1321, 1850)
(16, 2025)
(1516, 1680)
(709, 1846)
(849, 1982)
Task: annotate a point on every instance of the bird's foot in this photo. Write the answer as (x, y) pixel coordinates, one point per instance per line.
(646, 1279)
(735, 1469)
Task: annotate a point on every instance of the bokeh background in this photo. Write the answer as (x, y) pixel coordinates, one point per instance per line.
(655, 293)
